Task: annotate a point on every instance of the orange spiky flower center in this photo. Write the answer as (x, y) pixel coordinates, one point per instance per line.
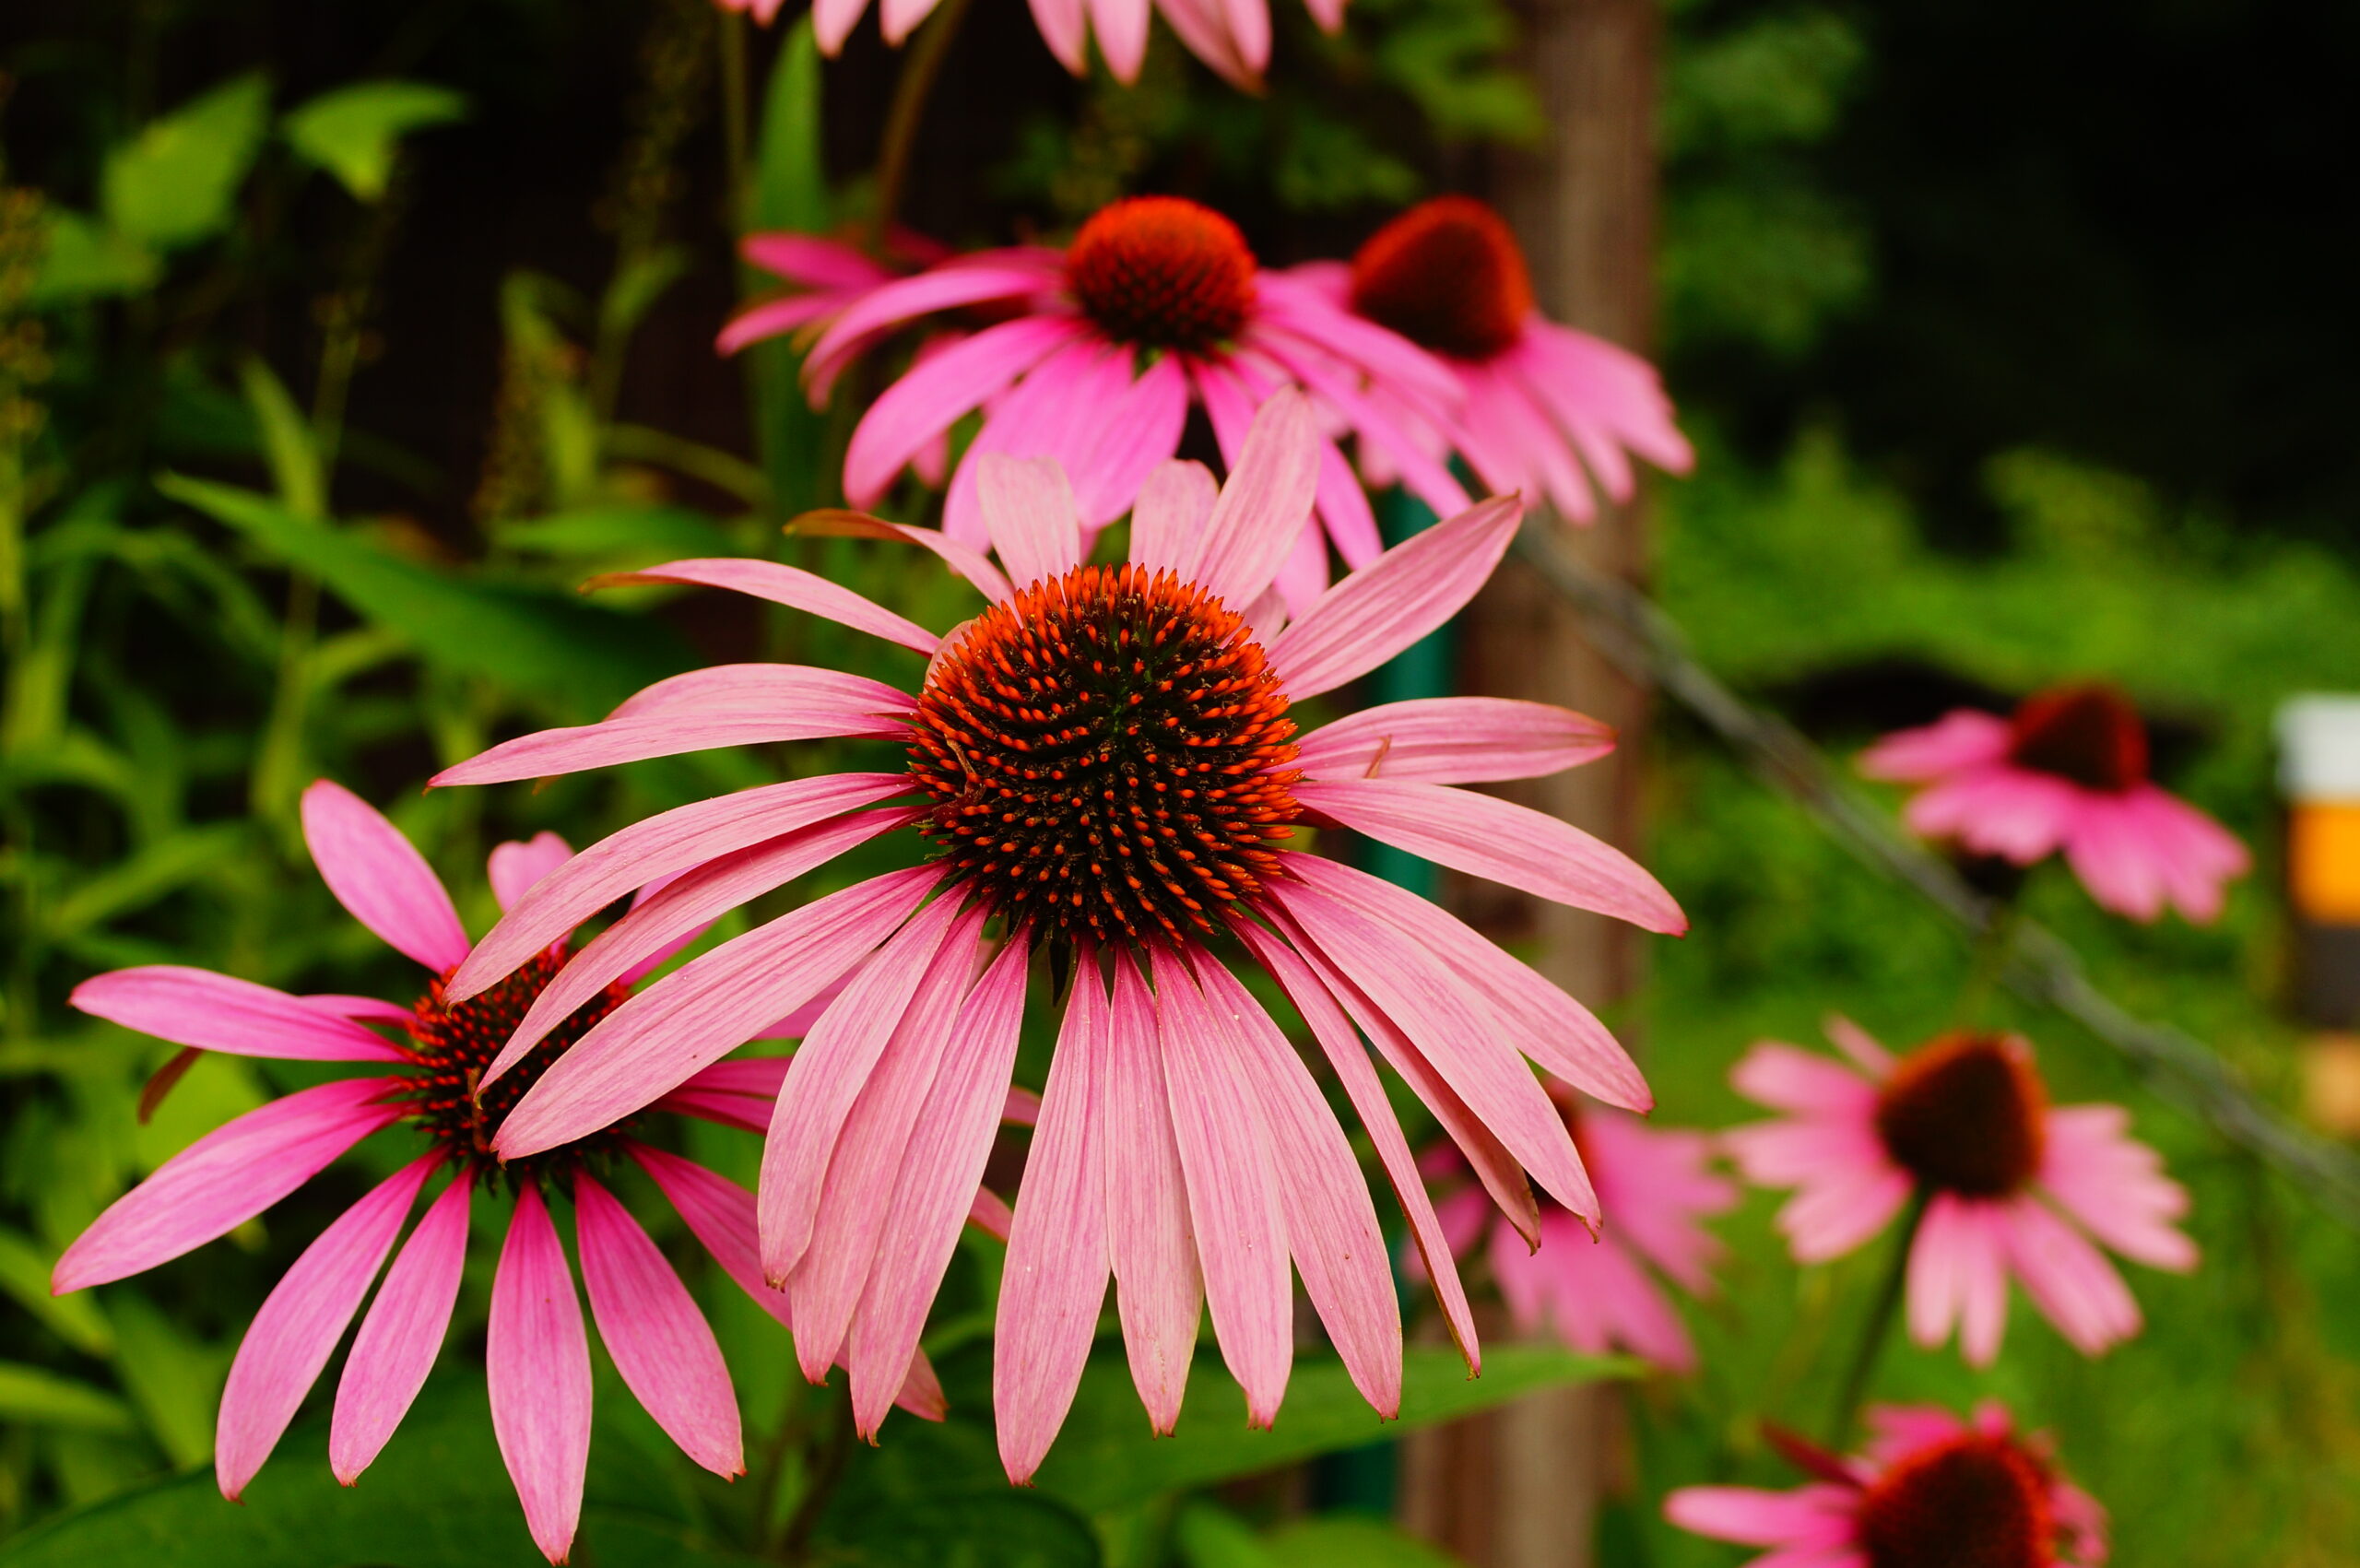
(1975, 1502)
(2088, 733)
(1446, 275)
(1966, 1114)
(1163, 273)
(452, 1044)
(1111, 756)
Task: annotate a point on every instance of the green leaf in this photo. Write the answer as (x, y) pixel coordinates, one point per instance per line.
(24, 1274)
(438, 1498)
(1106, 1456)
(287, 442)
(660, 532)
(175, 182)
(790, 177)
(1006, 1528)
(354, 131)
(140, 878)
(1211, 1537)
(82, 260)
(1340, 1540)
(172, 1379)
(37, 1396)
(582, 657)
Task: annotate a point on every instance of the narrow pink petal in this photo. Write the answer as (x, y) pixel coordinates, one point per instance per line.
(2069, 1279)
(932, 396)
(966, 560)
(1143, 429)
(514, 867)
(835, 1063)
(216, 1012)
(1159, 1290)
(2121, 866)
(1390, 359)
(225, 1179)
(788, 586)
(936, 1189)
(1343, 507)
(1964, 738)
(1454, 740)
(1249, 24)
(1858, 1045)
(1657, 1185)
(898, 18)
(1121, 26)
(661, 1343)
(1233, 1192)
(537, 1361)
(1046, 415)
(2001, 810)
(1058, 1264)
(400, 1337)
(990, 1214)
(1062, 28)
(1786, 1077)
(1815, 1516)
(2113, 1187)
(813, 261)
(1029, 509)
(380, 876)
(774, 317)
(1331, 1224)
(704, 1010)
(833, 21)
(1390, 604)
(1299, 584)
(1024, 1107)
(1420, 472)
(360, 1009)
(1168, 520)
(1200, 27)
(1264, 504)
(981, 277)
(1514, 846)
(654, 848)
(1831, 1218)
(1958, 1262)
(300, 1321)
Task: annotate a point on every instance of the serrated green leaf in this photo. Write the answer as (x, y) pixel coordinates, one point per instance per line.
(83, 260)
(37, 1396)
(1106, 1457)
(353, 132)
(24, 1274)
(175, 182)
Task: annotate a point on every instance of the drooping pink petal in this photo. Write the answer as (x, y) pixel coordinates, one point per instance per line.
(379, 877)
(981, 277)
(1046, 415)
(2113, 1187)
(2114, 860)
(537, 1361)
(704, 1010)
(661, 1343)
(401, 1335)
(772, 317)
(1392, 360)
(1200, 27)
(225, 1179)
(1961, 739)
(1065, 32)
(1264, 504)
(1454, 740)
(966, 560)
(1121, 29)
(514, 867)
(1817, 1515)
(938, 1185)
(1656, 1185)
(1168, 521)
(937, 394)
(1159, 1289)
(2067, 1276)
(300, 1321)
(898, 18)
(1514, 846)
(833, 21)
(1249, 25)
(2006, 811)
(1390, 604)
(1057, 1262)
(1144, 426)
(360, 1009)
(1960, 1255)
(1786, 1077)
(1029, 509)
(216, 1012)
(788, 586)
(1419, 471)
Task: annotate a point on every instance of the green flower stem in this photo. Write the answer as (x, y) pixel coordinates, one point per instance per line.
(1882, 1312)
(919, 72)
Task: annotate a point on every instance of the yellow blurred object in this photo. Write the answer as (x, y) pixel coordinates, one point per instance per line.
(2331, 1084)
(2323, 861)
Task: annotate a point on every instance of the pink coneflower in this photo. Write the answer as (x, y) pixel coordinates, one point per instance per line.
(1105, 762)
(1156, 306)
(1594, 1291)
(2068, 771)
(425, 1078)
(1547, 410)
(1930, 1492)
(2012, 1185)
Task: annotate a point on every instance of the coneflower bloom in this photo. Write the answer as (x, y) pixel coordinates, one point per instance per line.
(1105, 763)
(422, 1074)
(1158, 305)
(2068, 771)
(1597, 1292)
(2013, 1186)
(1930, 1492)
(1547, 410)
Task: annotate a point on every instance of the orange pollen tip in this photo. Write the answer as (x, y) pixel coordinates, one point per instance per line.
(1974, 1501)
(1163, 273)
(2088, 733)
(1448, 275)
(1966, 1114)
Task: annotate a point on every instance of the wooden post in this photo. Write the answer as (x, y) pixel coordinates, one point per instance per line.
(1520, 1487)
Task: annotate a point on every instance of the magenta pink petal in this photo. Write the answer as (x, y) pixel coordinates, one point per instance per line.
(833, 21)
(1058, 1264)
(401, 1335)
(812, 261)
(2067, 1276)
(661, 1343)
(966, 560)
(937, 394)
(1390, 604)
(300, 1321)
(215, 1012)
(1454, 740)
(1786, 1077)
(788, 586)
(704, 1010)
(1168, 521)
(1143, 429)
(360, 1009)
(1818, 1515)
(1046, 415)
(537, 1361)
(1420, 472)
(1393, 361)
(1961, 739)
(979, 279)
(1028, 509)
(225, 1179)
(1264, 504)
(380, 876)
(2113, 1187)
(773, 317)
(514, 867)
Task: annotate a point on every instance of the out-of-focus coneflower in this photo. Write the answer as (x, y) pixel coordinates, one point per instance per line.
(1105, 762)
(2011, 1185)
(2067, 773)
(423, 1062)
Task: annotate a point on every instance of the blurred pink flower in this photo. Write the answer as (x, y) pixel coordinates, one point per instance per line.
(537, 1355)
(2068, 771)
(1593, 1292)
(1105, 760)
(2013, 1187)
(1930, 1489)
(1548, 410)
(1156, 306)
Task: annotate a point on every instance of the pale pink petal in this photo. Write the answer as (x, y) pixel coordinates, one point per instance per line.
(1607, 1286)
(1168, 520)
(1249, 24)
(1809, 1151)
(1121, 26)
(1200, 27)
(1858, 1045)
(1656, 1185)
(1512, 844)
(537, 1363)
(990, 1214)
(660, 1342)
(1817, 1515)
(1454, 740)
(932, 396)
(1404, 454)
(2115, 1187)
(225, 1179)
(833, 21)
(813, 261)
(300, 1321)
(1587, 384)
(2004, 811)
(1029, 509)
(380, 876)
(2069, 1279)
(966, 560)
(1143, 429)
(704, 1010)
(1390, 603)
(1046, 415)
(1063, 29)
(1297, 586)
(1898, 1431)
(1344, 509)
(1264, 505)
(1832, 1218)
(898, 18)
(788, 586)
(216, 1012)
(1786, 1077)
(1057, 1264)
(401, 1335)
(774, 317)
(1958, 1274)
(1961, 739)
(2114, 860)
(514, 867)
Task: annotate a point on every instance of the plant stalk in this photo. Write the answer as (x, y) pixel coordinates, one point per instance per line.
(919, 72)
(1879, 1327)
